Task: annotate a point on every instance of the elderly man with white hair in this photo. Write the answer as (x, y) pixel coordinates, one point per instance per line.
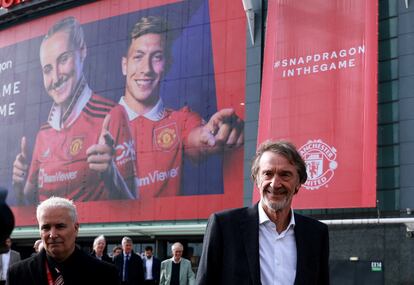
(61, 261)
(177, 270)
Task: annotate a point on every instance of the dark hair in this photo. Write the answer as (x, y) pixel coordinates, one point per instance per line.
(282, 147)
(115, 248)
(148, 248)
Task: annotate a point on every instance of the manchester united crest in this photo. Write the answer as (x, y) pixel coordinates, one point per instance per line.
(166, 136)
(75, 146)
(320, 160)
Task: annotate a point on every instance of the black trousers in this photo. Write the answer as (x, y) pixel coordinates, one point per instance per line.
(150, 282)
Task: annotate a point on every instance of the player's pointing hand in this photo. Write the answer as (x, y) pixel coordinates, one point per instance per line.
(100, 154)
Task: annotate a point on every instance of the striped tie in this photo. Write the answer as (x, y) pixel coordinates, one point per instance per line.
(59, 279)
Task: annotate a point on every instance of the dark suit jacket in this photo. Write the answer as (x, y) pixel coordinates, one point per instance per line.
(231, 249)
(135, 269)
(14, 257)
(105, 257)
(156, 268)
(80, 269)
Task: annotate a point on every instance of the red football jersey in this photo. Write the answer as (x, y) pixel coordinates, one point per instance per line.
(160, 148)
(59, 164)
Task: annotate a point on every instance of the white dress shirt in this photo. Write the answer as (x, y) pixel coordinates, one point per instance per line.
(5, 259)
(278, 254)
(148, 267)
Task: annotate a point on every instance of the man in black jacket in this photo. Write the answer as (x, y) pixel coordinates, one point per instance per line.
(152, 267)
(60, 258)
(267, 242)
(99, 246)
(129, 264)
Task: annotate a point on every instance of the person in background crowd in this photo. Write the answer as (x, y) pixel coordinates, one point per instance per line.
(7, 259)
(129, 264)
(152, 267)
(177, 270)
(37, 246)
(116, 250)
(61, 261)
(99, 245)
(83, 130)
(267, 243)
(6, 221)
(163, 136)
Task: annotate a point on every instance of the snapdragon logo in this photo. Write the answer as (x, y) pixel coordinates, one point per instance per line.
(58, 176)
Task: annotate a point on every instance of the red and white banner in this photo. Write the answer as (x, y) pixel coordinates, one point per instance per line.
(319, 91)
(206, 74)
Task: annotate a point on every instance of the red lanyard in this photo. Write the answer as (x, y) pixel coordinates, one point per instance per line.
(49, 275)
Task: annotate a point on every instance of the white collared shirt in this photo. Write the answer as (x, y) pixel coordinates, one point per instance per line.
(5, 258)
(277, 252)
(155, 114)
(148, 266)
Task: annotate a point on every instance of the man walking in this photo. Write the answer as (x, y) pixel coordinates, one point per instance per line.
(129, 264)
(7, 259)
(152, 267)
(177, 270)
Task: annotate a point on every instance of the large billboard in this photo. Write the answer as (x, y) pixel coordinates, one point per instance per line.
(133, 109)
(320, 91)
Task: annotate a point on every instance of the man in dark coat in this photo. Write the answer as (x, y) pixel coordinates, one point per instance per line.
(267, 242)
(129, 264)
(60, 258)
(152, 267)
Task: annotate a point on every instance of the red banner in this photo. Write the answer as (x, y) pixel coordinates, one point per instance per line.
(157, 172)
(319, 91)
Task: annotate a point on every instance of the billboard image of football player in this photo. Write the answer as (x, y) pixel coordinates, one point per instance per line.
(84, 152)
(164, 136)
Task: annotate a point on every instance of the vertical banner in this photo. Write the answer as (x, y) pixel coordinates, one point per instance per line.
(118, 105)
(319, 91)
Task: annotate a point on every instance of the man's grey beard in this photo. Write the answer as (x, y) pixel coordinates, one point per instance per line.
(275, 206)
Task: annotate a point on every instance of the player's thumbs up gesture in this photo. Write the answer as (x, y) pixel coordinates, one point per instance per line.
(21, 165)
(100, 154)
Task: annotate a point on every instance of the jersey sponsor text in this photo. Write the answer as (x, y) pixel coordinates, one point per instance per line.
(56, 177)
(157, 176)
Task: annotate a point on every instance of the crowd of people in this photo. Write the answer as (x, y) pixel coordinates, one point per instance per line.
(57, 257)
(239, 247)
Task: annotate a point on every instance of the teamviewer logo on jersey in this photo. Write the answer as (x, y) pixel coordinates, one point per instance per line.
(56, 177)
